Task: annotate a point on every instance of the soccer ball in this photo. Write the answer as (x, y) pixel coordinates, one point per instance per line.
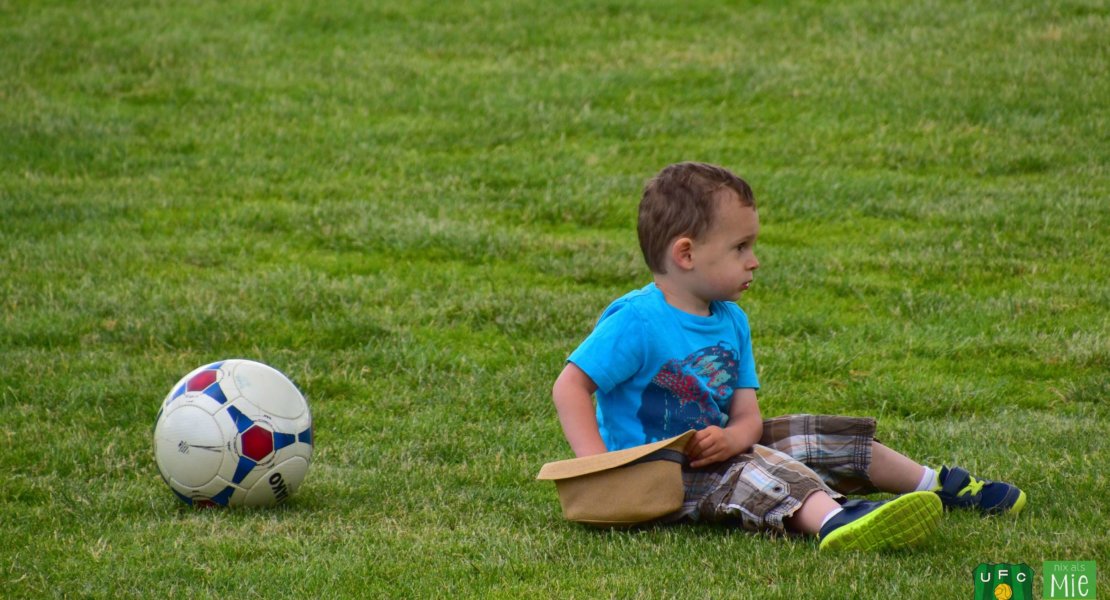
(233, 433)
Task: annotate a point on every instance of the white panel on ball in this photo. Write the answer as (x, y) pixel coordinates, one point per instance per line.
(269, 390)
(190, 446)
(280, 482)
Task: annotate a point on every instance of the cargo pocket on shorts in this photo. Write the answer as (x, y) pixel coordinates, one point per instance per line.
(746, 493)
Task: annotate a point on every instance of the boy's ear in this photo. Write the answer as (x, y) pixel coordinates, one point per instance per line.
(682, 253)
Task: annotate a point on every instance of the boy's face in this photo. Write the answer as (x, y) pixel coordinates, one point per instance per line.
(723, 259)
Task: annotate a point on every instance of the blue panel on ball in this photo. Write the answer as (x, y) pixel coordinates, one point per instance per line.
(216, 393)
(180, 390)
(305, 436)
(242, 422)
(223, 497)
(282, 440)
(213, 366)
(244, 467)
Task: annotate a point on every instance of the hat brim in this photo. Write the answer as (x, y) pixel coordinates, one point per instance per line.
(577, 467)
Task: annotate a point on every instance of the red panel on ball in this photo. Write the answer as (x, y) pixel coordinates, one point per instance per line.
(201, 381)
(258, 443)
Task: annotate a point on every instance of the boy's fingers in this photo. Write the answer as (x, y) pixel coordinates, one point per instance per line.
(703, 444)
(706, 460)
(700, 445)
(693, 449)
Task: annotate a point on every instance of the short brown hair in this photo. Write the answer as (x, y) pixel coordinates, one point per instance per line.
(681, 201)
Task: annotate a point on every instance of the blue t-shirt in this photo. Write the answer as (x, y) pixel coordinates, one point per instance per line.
(661, 371)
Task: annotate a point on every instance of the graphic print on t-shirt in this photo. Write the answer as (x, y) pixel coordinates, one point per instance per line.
(689, 394)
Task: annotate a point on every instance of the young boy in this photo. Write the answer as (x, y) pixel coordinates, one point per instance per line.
(676, 354)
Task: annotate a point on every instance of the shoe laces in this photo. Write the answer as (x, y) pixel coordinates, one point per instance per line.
(973, 487)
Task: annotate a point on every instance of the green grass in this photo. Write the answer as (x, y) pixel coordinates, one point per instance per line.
(418, 210)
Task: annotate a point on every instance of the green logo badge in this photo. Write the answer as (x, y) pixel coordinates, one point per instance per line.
(1003, 581)
(1069, 579)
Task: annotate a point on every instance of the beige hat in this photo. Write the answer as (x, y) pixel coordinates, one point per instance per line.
(622, 488)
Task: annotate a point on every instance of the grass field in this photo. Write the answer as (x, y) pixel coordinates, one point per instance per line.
(417, 210)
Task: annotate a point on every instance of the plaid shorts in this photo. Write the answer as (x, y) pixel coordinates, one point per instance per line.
(797, 456)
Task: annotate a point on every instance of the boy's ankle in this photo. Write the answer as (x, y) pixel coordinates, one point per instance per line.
(812, 514)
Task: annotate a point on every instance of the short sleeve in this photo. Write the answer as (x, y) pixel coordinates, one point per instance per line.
(614, 352)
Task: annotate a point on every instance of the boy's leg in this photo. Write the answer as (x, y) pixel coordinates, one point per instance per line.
(893, 472)
(812, 514)
(839, 449)
(766, 490)
(844, 453)
(756, 490)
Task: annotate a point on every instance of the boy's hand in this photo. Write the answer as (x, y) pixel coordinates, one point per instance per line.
(711, 445)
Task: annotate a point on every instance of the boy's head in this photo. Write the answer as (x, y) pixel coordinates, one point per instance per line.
(682, 200)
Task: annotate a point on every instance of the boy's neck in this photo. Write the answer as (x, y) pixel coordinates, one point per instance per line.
(680, 298)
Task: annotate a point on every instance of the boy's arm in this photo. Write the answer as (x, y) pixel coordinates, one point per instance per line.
(573, 396)
(745, 426)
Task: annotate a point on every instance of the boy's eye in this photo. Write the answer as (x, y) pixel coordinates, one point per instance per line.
(742, 247)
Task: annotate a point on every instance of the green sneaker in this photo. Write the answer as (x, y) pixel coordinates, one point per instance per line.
(958, 489)
(884, 525)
